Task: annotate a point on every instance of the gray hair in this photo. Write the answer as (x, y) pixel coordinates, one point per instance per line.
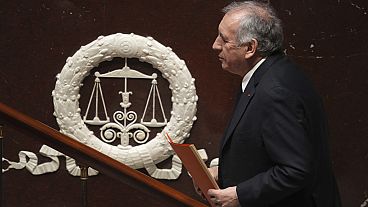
(259, 22)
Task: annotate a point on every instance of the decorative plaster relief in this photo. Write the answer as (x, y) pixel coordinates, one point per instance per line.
(148, 153)
(365, 203)
(38, 169)
(146, 49)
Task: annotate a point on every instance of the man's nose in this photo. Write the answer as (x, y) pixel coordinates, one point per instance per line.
(216, 45)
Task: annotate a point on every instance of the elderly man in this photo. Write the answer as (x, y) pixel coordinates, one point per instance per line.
(274, 151)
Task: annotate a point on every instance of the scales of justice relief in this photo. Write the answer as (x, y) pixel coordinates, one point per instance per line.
(124, 124)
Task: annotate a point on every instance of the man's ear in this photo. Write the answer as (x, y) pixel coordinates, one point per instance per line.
(251, 48)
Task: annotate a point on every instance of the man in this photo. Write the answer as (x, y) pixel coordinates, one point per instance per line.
(274, 152)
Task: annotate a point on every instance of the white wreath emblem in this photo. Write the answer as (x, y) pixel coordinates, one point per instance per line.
(146, 49)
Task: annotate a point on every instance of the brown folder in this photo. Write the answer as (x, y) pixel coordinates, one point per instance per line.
(194, 164)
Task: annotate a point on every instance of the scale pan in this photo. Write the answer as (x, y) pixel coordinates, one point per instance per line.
(96, 121)
(153, 123)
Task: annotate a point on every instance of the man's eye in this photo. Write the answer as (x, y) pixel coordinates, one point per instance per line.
(223, 40)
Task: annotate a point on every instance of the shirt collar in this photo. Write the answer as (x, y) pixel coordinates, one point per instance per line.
(247, 76)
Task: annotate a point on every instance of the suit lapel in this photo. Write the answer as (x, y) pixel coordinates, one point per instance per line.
(239, 110)
(247, 96)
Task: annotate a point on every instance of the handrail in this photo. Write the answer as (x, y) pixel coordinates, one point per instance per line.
(100, 161)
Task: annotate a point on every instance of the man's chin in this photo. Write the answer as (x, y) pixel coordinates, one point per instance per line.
(227, 69)
(224, 66)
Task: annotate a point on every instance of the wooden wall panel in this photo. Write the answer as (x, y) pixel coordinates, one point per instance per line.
(328, 38)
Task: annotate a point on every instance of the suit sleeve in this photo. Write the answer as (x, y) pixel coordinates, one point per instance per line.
(285, 138)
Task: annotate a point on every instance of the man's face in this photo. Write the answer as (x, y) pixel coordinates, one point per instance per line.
(231, 56)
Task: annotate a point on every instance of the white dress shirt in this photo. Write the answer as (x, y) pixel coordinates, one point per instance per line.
(247, 76)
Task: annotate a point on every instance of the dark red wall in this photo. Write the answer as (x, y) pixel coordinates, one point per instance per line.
(328, 38)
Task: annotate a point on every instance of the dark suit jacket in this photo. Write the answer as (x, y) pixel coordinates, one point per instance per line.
(275, 147)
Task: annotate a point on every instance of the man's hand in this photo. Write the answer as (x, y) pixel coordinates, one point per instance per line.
(224, 198)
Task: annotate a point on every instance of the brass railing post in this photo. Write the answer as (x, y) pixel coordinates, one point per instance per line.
(84, 177)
